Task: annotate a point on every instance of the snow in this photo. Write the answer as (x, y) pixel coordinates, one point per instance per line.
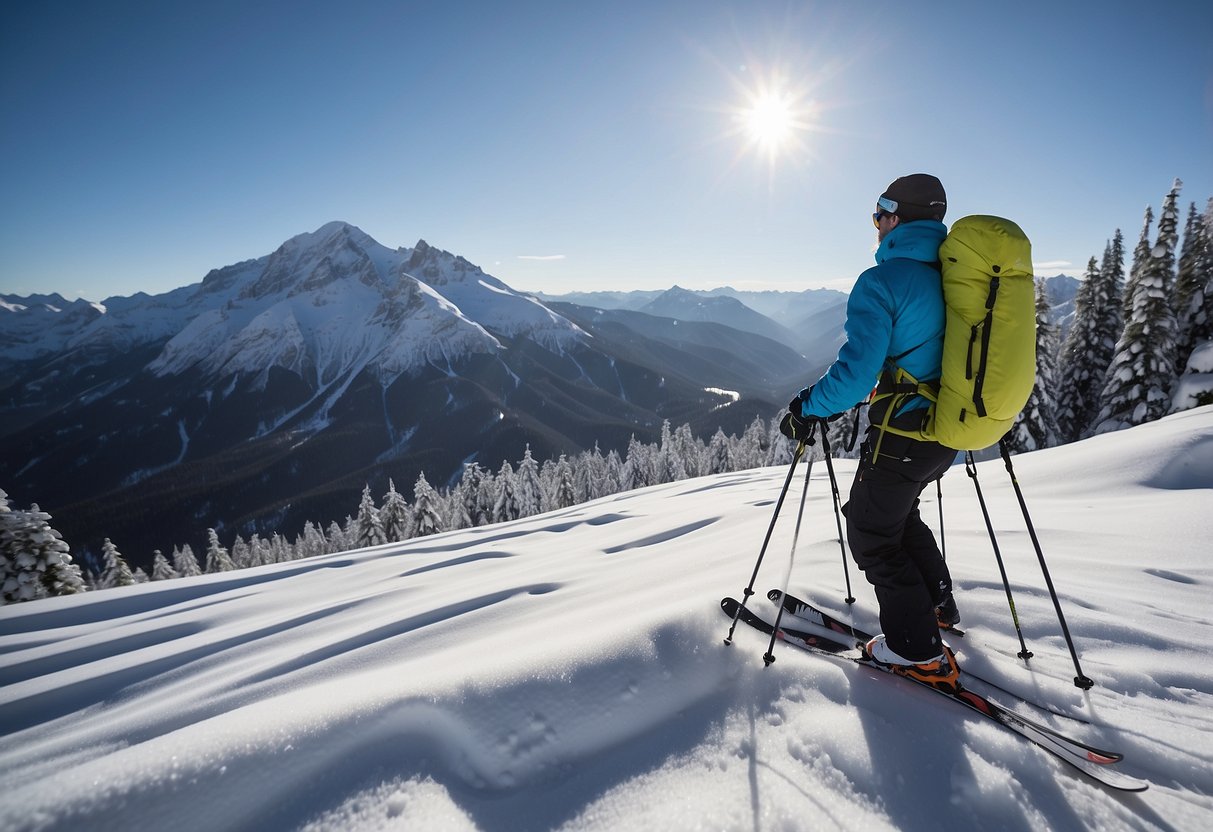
(567, 671)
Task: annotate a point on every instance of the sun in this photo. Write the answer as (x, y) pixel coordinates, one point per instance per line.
(769, 121)
(773, 121)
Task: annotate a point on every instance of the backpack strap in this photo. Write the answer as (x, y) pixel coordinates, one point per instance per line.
(897, 387)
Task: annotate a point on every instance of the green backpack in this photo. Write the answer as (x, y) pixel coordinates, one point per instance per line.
(989, 342)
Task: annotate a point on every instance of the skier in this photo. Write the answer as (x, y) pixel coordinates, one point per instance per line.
(895, 318)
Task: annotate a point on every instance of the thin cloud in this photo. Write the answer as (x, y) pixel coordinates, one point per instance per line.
(1051, 264)
(540, 256)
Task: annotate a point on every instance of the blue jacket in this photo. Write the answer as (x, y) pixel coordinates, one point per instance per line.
(895, 309)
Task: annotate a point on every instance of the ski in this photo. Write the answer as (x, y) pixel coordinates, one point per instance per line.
(1088, 759)
(855, 637)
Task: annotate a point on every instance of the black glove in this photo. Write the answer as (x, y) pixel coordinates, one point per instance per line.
(797, 428)
(795, 425)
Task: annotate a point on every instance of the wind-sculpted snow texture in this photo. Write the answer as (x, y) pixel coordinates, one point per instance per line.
(567, 671)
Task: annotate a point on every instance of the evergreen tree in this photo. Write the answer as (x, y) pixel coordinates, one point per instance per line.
(34, 559)
(139, 575)
(638, 470)
(336, 538)
(505, 506)
(1194, 285)
(474, 492)
(690, 450)
(589, 475)
(368, 529)
(1036, 425)
(669, 467)
(217, 558)
(394, 516)
(612, 473)
(161, 570)
(779, 448)
(427, 517)
(751, 452)
(718, 453)
(1139, 380)
(564, 493)
(185, 563)
(241, 553)
(527, 488)
(313, 542)
(1090, 344)
(1141, 255)
(114, 571)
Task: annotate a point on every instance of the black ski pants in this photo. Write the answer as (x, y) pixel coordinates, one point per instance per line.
(891, 543)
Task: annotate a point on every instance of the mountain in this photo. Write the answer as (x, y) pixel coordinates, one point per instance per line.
(566, 671)
(678, 303)
(809, 322)
(271, 391)
(1061, 289)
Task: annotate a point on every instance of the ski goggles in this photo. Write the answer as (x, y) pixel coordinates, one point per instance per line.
(884, 205)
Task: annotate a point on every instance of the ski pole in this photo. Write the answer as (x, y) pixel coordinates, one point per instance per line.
(1081, 680)
(943, 543)
(769, 657)
(749, 590)
(846, 571)
(971, 470)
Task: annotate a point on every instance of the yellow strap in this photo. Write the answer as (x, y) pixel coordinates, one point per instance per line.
(900, 395)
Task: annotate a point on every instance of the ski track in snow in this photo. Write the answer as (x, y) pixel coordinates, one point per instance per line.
(567, 671)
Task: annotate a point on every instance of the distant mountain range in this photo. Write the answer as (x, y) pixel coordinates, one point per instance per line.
(270, 392)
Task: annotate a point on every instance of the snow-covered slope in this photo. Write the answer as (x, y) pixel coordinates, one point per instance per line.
(567, 671)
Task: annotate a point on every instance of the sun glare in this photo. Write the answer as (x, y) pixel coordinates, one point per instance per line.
(774, 120)
(769, 121)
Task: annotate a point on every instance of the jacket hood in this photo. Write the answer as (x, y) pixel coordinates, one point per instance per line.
(913, 240)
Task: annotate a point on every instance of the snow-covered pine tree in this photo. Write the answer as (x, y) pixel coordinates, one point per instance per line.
(139, 575)
(505, 503)
(217, 557)
(394, 516)
(690, 450)
(241, 553)
(336, 538)
(564, 494)
(474, 492)
(527, 488)
(638, 469)
(34, 559)
(1080, 375)
(779, 449)
(1036, 425)
(1194, 286)
(1141, 256)
(613, 470)
(1139, 380)
(185, 563)
(718, 453)
(589, 475)
(161, 569)
(368, 529)
(281, 551)
(114, 570)
(427, 518)
(752, 449)
(669, 465)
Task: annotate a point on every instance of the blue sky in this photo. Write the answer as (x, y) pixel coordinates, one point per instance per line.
(572, 146)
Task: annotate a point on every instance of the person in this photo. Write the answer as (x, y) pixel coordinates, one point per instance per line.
(895, 318)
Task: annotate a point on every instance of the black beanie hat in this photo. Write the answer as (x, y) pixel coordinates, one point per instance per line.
(919, 196)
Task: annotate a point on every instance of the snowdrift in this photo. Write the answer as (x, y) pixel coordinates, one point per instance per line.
(567, 671)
